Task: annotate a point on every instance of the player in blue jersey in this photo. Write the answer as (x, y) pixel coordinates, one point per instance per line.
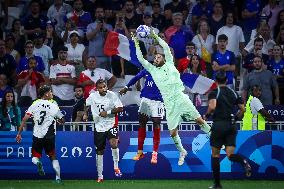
(224, 59)
(151, 107)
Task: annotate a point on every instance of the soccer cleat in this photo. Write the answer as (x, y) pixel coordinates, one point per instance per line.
(100, 180)
(40, 169)
(58, 181)
(138, 156)
(181, 157)
(247, 168)
(154, 159)
(117, 172)
(215, 186)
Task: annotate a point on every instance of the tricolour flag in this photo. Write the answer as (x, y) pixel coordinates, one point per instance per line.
(120, 45)
(198, 83)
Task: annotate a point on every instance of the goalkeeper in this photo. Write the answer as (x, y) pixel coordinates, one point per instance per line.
(167, 78)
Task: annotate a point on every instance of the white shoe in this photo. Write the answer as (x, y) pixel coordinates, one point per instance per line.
(181, 157)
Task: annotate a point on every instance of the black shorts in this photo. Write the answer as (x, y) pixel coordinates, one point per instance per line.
(101, 137)
(223, 133)
(48, 144)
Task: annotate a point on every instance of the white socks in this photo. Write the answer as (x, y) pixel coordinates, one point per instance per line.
(115, 157)
(100, 164)
(178, 144)
(35, 160)
(56, 167)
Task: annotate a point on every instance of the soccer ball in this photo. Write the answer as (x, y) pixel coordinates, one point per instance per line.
(143, 31)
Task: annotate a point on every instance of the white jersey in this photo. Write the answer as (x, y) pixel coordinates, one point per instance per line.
(255, 106)
(44, 113)
(100, 103)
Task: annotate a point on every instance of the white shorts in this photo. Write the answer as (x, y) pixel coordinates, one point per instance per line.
(152, 108)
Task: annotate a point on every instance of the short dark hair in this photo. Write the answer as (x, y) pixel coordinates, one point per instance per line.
(222, 37)
(78, 86)
(258, 39)
(221, 77)
(190, 44)
(43, 89)
(100, 81)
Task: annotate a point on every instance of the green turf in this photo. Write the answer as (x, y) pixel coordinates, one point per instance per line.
(139, 184)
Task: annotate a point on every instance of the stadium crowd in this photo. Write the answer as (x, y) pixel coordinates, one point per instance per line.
(61, 43)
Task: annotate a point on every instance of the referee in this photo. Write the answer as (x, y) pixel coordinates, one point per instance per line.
(221, 105)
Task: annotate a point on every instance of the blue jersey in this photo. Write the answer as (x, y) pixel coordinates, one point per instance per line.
(222, 59)
(276, 68)
(150, 90)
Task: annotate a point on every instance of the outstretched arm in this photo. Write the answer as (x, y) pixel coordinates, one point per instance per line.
(147, 65)
(168, 54)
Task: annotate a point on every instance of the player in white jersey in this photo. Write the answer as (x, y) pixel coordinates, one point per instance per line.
(104, 105)
(45, 113)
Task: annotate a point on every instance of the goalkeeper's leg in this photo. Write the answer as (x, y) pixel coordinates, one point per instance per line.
(177, 141)
(203, 125)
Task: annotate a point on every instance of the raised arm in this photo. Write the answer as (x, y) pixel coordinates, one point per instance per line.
(147, 65)
(168, 54)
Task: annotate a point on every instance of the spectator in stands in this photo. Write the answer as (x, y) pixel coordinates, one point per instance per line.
(257, 51)
(7, 64)
(35, 22)
(52, 39)
(63, 79)
(176, 6)
(265, 33)
(184, 62)
(78, 108)
(216, 20)
(280, 38)
(23, 62)
(204, 41)
(276, 66)
(70, 26)
(75, 52)
(250, 15)
(224, 60)
(10, 47)
(29, 82)
(279, 24)
(18, 33)
(43, 51)
(194, 67)
(234, 33)
(158, 18)
(255, 114)
(141, 8)
(202, 10)
(131, 18)
(56, 14)
(178, 35)
(92, 74)
(263, 78)
(116, 61)
(10, 113)
(80, 17)
(272, 9)
(96, 34)
(4, 87)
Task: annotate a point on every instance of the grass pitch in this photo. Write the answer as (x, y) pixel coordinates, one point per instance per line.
(139, 184)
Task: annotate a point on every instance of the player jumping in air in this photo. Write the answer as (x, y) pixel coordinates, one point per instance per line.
(44, 112)
(178, 105)
(104, 107)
